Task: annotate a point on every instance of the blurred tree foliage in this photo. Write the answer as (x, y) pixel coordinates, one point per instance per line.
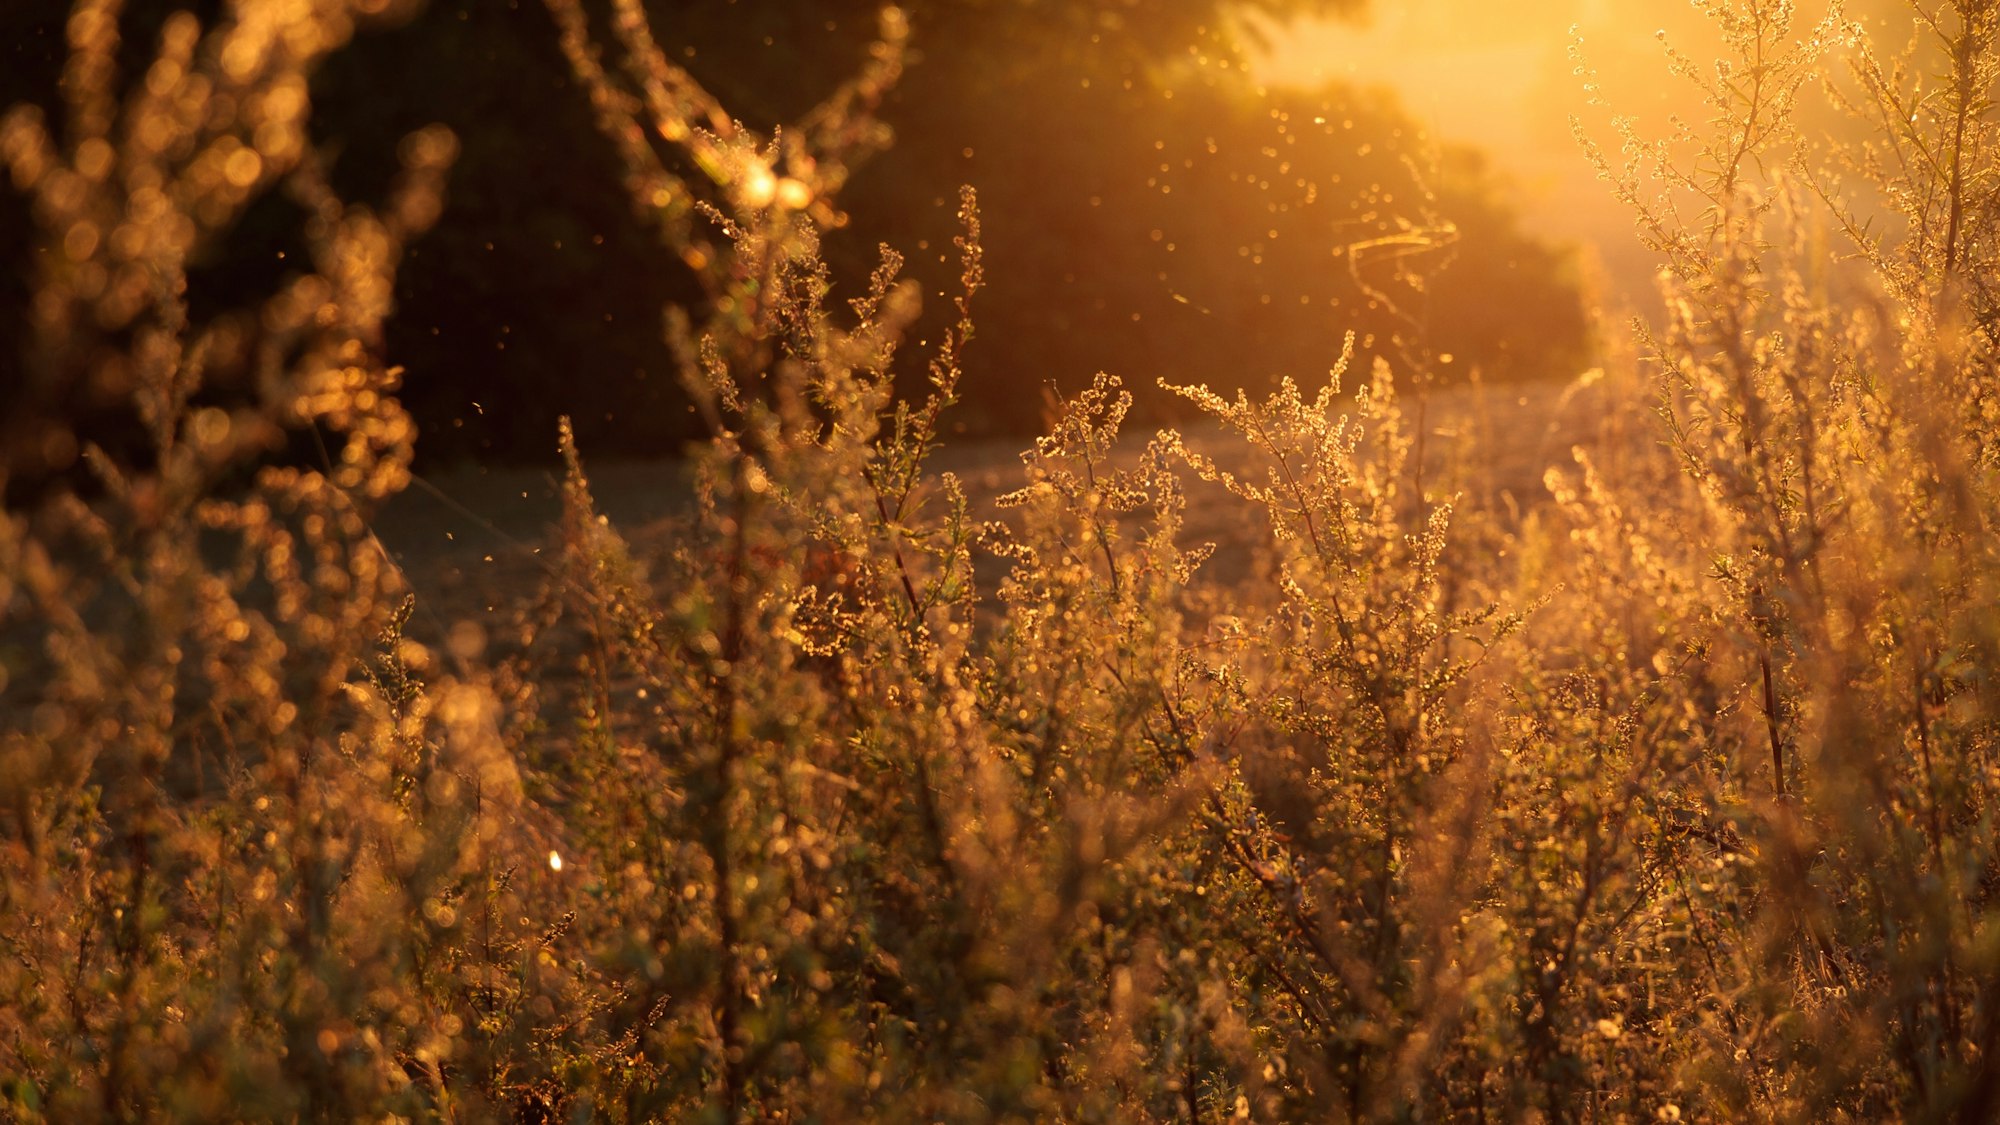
(1150, 211)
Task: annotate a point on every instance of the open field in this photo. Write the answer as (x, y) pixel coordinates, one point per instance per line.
(472, 539)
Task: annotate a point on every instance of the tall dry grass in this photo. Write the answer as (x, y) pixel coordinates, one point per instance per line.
(1669, 799)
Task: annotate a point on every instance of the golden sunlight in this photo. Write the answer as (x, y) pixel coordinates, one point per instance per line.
(1000, 561)
(1507, 79)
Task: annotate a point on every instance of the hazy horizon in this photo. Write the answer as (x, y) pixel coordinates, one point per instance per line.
(1501, 79)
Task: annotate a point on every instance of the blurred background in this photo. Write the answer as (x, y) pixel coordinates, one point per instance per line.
(1508, 79)
(1200, 191)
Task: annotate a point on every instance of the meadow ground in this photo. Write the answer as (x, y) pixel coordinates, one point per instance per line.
(472, 539)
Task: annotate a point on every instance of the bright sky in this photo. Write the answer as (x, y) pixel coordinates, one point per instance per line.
(1498, 75)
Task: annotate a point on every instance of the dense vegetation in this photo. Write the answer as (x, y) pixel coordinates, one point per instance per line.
(1671, 798)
